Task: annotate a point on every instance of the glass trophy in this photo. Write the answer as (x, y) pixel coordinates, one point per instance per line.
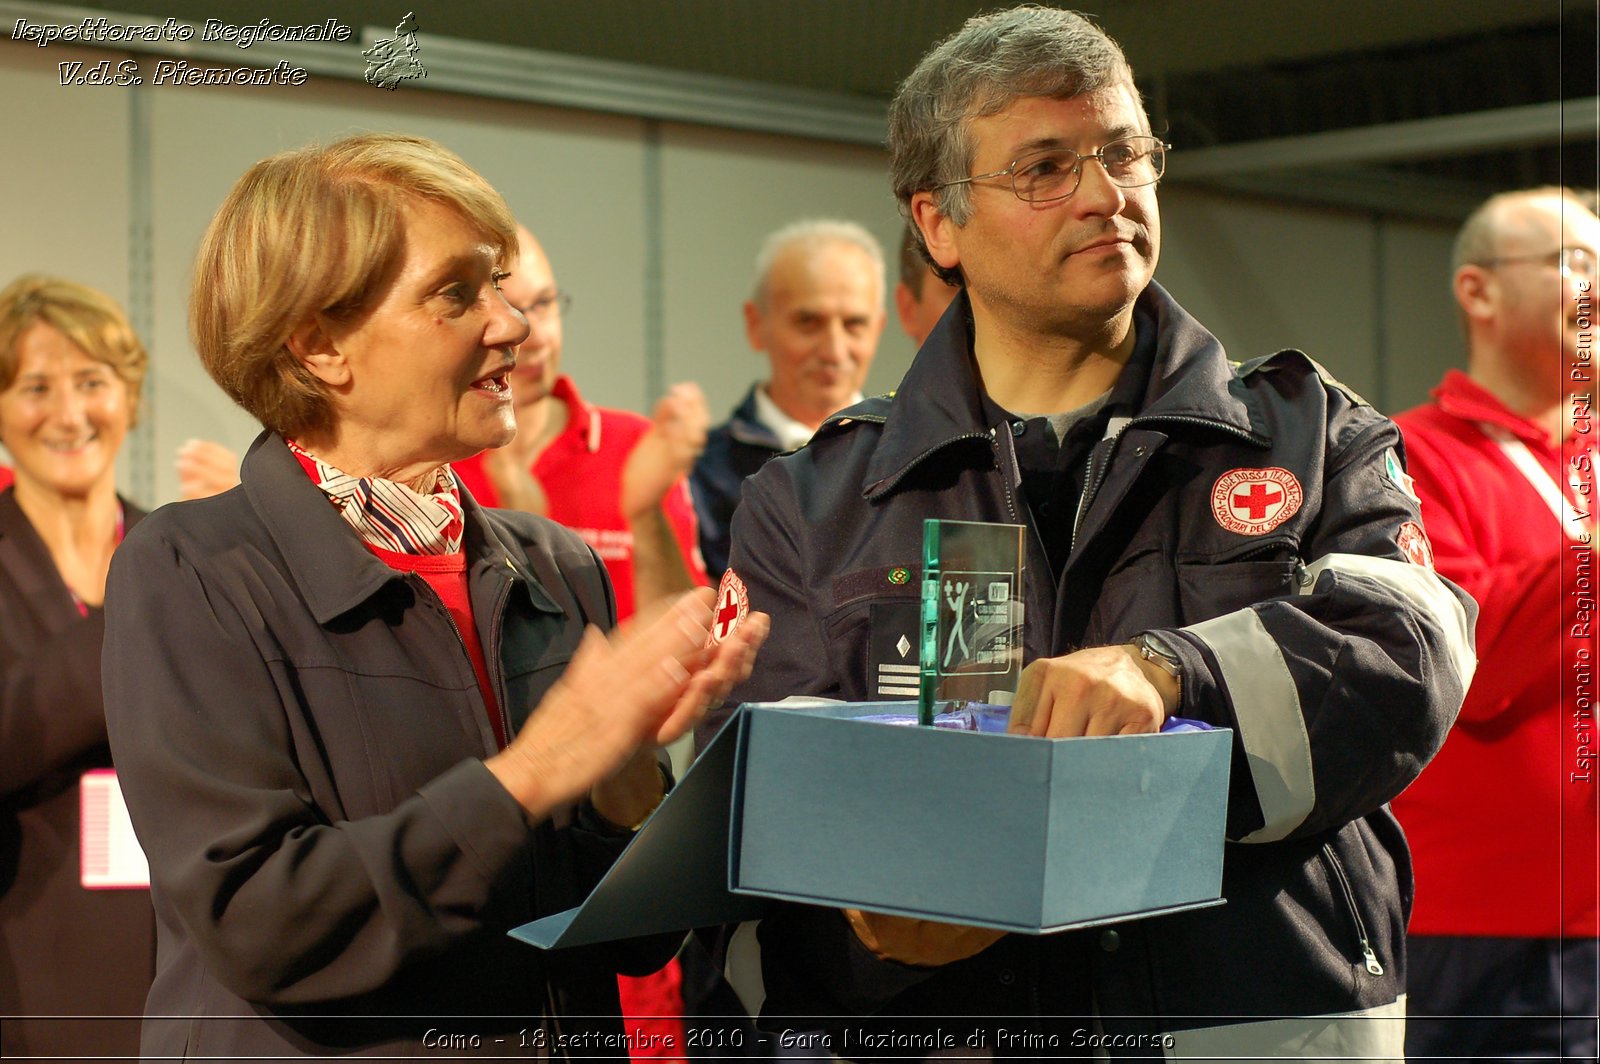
(971, 618)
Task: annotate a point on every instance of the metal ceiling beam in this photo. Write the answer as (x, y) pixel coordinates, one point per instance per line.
(1368, 191)
(555, 79)
(511, 73)
(1504, 129)
(642, 91)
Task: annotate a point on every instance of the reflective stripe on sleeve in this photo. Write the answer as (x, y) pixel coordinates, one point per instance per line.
(1266, 707)
(1422, 590)
(1266, 703)
(1375, 1034)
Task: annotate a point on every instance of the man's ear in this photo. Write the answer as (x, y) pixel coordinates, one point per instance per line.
(1475, 291)
(312, 345)
(938, 231)
(905, 303)
(753, 320)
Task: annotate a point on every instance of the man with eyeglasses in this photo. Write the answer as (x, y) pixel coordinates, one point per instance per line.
(617, 479)
(1502, 824)
(620, 481)
(1207, 540)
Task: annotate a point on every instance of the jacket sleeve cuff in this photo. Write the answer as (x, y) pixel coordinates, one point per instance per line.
(588, 818)
(1205, 699)
(479, 814)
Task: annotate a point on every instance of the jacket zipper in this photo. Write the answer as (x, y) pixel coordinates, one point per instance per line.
(1009, 476)
(1337, 868)
(1098, 475)
(505, 722)
(491, 656)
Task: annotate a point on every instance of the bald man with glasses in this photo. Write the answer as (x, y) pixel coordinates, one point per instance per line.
(1503, 823)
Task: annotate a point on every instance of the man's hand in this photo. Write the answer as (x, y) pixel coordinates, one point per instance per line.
(925, 943)
(1099, 691)
(510, 470)
(206, 469)
(667, 450)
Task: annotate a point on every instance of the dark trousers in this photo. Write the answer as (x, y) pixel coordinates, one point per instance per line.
(1501, 999)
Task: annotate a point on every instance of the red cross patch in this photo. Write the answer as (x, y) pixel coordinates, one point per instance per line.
(1252, 502)
(1413, 541)
(733, 606)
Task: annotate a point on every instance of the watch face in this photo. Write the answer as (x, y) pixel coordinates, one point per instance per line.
(1150, 650)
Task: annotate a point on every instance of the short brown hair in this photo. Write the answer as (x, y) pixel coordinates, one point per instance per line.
(317, 231)
(87, 317)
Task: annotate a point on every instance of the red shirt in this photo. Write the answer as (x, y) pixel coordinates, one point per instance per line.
(447, 575)
(5, 477)
(1502, 825)
(581, 473)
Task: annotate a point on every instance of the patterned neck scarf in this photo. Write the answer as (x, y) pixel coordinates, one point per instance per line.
(389, 515)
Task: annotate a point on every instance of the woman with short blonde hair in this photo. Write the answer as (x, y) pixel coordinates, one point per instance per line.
(70, 373)
(366, 727)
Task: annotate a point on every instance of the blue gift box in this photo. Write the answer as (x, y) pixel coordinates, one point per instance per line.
(808, 803)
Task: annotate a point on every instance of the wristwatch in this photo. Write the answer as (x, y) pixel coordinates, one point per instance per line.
(1157, 653)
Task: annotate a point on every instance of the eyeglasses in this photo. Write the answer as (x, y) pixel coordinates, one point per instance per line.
(1574, 262)
(549, 306)
(1054, 174)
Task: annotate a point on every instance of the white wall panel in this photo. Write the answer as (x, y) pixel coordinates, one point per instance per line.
(1264, 277)
(723, 193)
(1422, 336)
(575, 178)
(64, 186)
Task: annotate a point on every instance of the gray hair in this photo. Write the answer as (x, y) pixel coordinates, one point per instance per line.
(813, 233)
(978, 70)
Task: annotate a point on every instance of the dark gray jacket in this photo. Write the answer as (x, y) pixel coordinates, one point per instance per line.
(64, 950)
(734, 450)
(300, 737)
(1338, 662)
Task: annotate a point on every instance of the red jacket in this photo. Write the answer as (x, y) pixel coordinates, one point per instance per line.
(1503, 822)
(581, 473)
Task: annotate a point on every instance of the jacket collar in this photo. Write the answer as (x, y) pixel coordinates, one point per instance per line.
(331, 568)
(746, 425)
(583, 421)
(1460, 396)
(940, 400)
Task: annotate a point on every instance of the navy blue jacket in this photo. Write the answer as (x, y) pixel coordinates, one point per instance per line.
(1339, 663)
(735, 449)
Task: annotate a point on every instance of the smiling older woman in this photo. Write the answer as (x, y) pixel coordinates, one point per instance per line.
(70, 370)
(361, 726)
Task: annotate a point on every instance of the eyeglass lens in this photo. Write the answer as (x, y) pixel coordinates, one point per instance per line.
(1054, 173)
(546, 307)
(1578, 262)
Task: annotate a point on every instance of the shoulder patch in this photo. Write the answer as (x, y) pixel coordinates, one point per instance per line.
(732, 607)
(1398, 475)
(1253, 502)
(1413, 543)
